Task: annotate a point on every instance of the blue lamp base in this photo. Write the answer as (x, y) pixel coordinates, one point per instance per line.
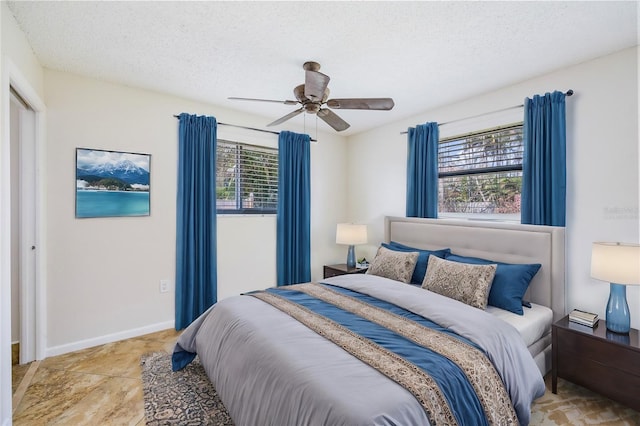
(618, 319)
(351, 257)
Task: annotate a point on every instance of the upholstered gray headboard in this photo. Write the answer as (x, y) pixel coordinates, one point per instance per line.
(502, 242)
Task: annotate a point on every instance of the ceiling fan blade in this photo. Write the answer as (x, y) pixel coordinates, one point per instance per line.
(286, 117)
(332, 119)
(315, 83)
(361, 103)
(287, 102)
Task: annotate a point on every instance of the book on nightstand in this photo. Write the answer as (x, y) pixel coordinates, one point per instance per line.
(585, 318)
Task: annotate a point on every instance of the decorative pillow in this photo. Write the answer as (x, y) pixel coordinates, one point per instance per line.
(396, 265)
(423, 258)
(509, 284)
(464, 282)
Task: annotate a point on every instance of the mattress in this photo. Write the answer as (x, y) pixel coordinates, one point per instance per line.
(535, 328)
(532, 326)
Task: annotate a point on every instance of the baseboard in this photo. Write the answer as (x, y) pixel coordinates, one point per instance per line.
(109, 338)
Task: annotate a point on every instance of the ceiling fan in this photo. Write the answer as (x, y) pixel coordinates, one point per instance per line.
(313, 95)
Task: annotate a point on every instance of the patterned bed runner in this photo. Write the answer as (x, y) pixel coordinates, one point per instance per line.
(477, 368)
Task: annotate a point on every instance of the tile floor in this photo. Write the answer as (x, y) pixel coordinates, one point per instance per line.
(103, 386)
(95, 386)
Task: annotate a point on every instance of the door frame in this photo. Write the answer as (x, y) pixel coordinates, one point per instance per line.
(12, 77)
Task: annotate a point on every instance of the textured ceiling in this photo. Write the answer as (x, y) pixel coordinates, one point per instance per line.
(422, 54)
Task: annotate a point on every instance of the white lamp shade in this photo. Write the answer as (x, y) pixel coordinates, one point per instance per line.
(351, 234)
(617, 263)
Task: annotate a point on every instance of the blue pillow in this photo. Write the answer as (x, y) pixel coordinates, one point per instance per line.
(510, 282)
(423, 258)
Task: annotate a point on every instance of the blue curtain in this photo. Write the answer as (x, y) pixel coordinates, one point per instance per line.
(196, 267)
(544, 166)
(293, 245)
(422, 171)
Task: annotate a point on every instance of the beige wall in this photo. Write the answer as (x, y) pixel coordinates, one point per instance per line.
(104, 273)
(602, 163)
(16, 48)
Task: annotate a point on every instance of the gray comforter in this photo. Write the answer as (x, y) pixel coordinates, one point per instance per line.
(271, 370)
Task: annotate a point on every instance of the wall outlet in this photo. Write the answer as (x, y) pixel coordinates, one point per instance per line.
(164, 286)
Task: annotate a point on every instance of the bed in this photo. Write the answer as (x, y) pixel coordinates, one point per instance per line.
(297, 356)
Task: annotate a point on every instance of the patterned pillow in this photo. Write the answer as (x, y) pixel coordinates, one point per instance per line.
(423, 258)
(395, 265)
(464, 282)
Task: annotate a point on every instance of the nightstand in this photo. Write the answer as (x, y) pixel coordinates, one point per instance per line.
(341, 269)
(605, 362)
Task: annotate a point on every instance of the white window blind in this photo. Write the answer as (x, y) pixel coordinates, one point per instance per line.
(246, 178)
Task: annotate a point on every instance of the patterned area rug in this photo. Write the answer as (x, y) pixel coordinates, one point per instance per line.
(184, 397)
(187, 397)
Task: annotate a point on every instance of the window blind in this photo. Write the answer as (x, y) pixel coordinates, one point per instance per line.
(481, 172)
(498, 149)
(246, 178)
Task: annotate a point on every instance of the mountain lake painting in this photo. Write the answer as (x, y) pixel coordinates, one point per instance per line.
(110, 183)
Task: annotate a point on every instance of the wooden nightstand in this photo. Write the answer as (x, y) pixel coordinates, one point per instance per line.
(605, 362)
(341, 269)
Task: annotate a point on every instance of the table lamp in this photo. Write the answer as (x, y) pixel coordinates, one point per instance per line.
(351, 234)
(618, 263)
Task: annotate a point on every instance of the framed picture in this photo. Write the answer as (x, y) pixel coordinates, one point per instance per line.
(111, 183)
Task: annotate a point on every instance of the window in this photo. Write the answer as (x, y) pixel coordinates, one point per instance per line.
(246, 178)
(481, 172)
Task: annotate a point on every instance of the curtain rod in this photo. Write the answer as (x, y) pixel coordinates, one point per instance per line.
(250, 128)
(568, 93)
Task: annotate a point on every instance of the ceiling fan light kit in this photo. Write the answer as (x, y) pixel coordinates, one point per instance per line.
(314, 94)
